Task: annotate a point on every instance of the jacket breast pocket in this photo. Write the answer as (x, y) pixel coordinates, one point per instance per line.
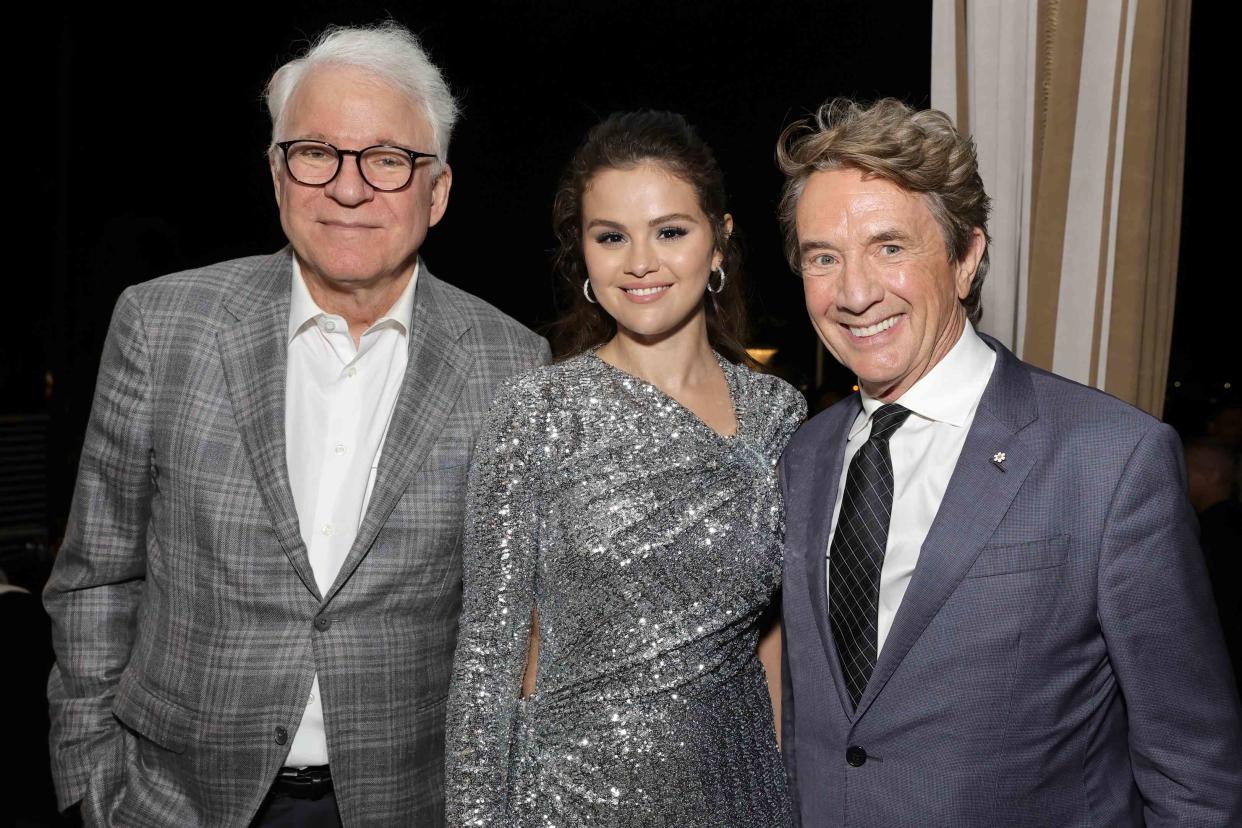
(1045, 553)
(152, 717)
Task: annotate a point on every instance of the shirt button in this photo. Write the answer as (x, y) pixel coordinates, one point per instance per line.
(855, 756)
(323, 623)
(351, 372)
(311, 700)
(340, 448)
(329, 326)
(280, 735)
(327, 529)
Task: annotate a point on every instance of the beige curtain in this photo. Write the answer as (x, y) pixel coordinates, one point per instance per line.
(1078, 108)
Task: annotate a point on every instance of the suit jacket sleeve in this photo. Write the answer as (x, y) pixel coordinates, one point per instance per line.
(93, 593)
(787, 692)
(498, 580)
(545, 352)
(1165, 645)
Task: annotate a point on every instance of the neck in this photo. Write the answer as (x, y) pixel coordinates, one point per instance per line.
(683, 357)
(360, 303)
(944, 343)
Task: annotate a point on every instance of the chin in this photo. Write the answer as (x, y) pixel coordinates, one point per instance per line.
(875, 375)
(653, 329)
(350, 268)
(873, 384)
(643, 331)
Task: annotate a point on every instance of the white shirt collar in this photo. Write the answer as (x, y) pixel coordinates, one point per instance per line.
(950, 390)
(304, 310)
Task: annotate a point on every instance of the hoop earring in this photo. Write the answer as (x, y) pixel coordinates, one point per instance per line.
(586, 290)
(717, 272)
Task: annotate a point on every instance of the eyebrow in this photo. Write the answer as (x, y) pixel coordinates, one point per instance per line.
(653, 223)
(672, 217)
(888, 236)
(390, 142)
(604, 223)
(879, 237)
(808, 246)
(322, 138)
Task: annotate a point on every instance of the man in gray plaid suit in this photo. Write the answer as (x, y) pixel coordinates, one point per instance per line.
(995, 609)
(255, 607)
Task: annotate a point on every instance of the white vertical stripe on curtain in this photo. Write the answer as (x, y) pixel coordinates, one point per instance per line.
(1093, 132)
(1101, 375)
(1001, 67)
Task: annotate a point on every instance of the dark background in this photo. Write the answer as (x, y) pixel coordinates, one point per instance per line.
(136, 148)
(156, 135)
(144, 154)
(1205, 362)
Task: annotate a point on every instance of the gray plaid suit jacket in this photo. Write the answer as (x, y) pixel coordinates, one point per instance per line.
(187, 622)
(1056, 659)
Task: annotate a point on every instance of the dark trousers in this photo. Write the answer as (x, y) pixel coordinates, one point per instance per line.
(281, 811)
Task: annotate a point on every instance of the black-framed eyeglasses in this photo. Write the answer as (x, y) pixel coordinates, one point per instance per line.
(315, 163)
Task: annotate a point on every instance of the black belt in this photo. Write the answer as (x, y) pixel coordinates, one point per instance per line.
(303, 783)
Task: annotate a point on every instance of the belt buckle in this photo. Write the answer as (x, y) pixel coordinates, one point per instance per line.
(305, 783)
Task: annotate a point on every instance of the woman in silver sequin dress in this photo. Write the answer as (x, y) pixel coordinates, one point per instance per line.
(625, 523)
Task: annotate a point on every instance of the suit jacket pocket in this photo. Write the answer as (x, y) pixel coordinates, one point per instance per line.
(1020, 557)
(153, 717)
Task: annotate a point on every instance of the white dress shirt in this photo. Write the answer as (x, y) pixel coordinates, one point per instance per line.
(338, 400)
(924, 451)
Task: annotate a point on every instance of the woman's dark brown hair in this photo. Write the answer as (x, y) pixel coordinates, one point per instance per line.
(621, 141)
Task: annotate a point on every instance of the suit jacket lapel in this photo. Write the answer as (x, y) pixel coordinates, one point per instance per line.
(254, 355)
(979, 493)
(434, 378)
(821, 497)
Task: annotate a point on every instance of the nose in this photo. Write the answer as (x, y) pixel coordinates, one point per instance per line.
(349, 188)
(859, 288)
(641, 260)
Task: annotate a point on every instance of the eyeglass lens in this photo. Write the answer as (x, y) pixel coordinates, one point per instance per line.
(384, 168)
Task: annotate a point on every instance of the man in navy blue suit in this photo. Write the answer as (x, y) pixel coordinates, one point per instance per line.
(995, 607)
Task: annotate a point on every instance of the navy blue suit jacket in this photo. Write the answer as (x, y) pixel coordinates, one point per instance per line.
(1056, 659)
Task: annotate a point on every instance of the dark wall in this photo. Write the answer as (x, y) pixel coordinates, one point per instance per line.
(1205, 363)
(153, 136)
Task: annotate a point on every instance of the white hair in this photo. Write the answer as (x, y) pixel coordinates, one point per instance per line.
(388, 50)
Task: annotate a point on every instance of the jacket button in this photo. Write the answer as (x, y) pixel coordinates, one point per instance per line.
(281, 735)
(855, 756)
(322, 623)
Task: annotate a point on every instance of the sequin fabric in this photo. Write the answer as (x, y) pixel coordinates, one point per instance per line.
(650, 546)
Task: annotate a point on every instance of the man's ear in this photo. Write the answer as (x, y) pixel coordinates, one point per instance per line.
(969, 263)
(278, 184)
(440, 195)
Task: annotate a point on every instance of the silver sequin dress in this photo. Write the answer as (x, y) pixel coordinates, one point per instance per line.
(650, 545)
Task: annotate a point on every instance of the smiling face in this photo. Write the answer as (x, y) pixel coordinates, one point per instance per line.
(880, 289)
(346, 234)
(649, 248)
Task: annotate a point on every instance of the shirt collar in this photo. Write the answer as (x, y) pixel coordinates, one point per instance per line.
(304, 310)
(950, 390)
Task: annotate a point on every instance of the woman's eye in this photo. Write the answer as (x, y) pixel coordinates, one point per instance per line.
(609, 238)
(671, 232)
